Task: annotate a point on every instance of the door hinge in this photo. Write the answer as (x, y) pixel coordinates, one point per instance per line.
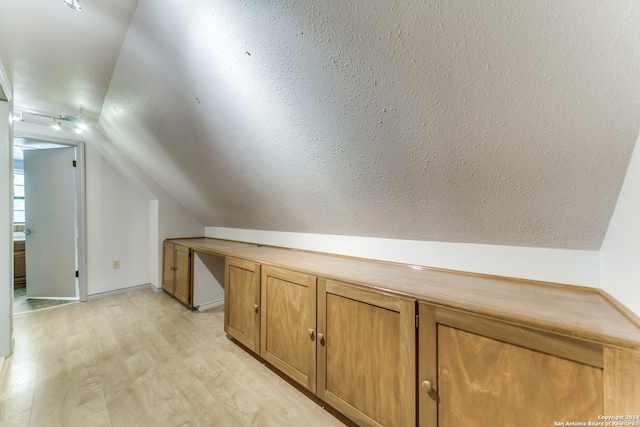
(417, 321)
(77, 273)
(74, 164)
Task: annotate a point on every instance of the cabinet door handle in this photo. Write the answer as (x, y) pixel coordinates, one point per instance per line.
(256, 307)
(426, 386)
(310, 333)
(321, 339)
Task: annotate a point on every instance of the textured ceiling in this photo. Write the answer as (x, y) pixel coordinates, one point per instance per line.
(494, 121)
(59, 60)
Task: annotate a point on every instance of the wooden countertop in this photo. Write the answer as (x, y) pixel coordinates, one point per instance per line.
(572, 311)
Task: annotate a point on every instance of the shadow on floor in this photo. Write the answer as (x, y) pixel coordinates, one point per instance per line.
(22, 305)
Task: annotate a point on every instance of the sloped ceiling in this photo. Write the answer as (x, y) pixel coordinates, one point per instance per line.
(60, 61)
(495, 121)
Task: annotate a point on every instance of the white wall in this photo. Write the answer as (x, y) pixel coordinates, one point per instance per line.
(117, 228)
(155, 255)
(6, 230)
(620, 252)
(572, 267)
(165, 218)
(154, 215)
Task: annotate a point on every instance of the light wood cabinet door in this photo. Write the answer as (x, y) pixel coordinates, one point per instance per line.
(366, 354)
(176, 272)
(242, 302)
(182, 275)
(288, 323)
(477, 380)
(622, 382)
(168, 267)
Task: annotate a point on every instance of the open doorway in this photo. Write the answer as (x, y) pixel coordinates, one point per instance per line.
(46, 249)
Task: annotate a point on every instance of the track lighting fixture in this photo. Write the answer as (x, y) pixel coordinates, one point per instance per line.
(76, 123)
(73, 4)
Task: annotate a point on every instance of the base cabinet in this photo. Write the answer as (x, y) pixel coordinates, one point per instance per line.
(242, 302)
(366, 354)
(622, 382)
(410, 358)
(474, 371)
(288, 324)
(354, 348)
(176, 272)
(489, 382)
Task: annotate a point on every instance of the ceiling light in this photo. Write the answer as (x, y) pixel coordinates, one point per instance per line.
(73, 4)
(76, 124)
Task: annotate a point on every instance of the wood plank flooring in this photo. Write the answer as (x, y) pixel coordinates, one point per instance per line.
(141, 359)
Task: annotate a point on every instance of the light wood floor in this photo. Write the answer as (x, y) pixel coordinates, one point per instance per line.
(141, 359)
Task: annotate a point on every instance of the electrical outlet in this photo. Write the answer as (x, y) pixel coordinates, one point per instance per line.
(116, 264)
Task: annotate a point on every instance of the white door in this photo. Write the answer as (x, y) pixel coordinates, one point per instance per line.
(50, 223)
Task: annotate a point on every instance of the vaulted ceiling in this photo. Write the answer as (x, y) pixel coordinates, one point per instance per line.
(495, 121)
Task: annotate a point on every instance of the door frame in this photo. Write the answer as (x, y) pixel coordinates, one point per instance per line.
(80, 198)
(6, 216)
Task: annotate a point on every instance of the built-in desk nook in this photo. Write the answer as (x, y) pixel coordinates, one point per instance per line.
(389, 344)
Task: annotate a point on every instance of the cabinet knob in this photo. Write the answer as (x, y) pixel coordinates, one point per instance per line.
(426, 386)
(310, 333)
(255, 307)
(321, 339)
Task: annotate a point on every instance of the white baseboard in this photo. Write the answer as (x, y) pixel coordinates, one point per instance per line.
(210, 305)
(122, 291)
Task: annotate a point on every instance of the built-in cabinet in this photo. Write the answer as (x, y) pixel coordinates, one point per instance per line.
(367, 354)
(19, 264)
(176, 272)
(242, 302)
(476, 371)
(352, 347)
(288, 323)
(388, 358)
